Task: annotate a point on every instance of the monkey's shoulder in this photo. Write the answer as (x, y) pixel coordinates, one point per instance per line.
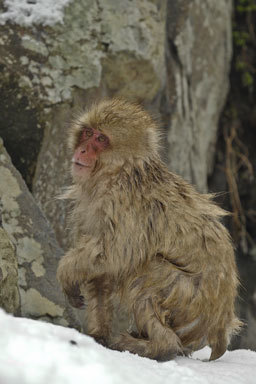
(152, 181)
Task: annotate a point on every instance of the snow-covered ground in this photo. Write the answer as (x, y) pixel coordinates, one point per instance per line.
(33, 352)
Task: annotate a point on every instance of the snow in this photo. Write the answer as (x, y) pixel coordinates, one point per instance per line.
(34, 352)
(28, 12)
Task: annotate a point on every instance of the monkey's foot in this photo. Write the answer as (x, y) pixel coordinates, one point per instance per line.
(145, 347)
(101, 340)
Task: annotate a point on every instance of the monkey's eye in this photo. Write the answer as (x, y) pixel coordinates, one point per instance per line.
(88, 132)
(102, 138)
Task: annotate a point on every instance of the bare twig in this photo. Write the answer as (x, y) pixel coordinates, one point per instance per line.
(236, 156)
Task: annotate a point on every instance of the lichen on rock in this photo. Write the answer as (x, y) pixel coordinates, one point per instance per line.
(9, 292)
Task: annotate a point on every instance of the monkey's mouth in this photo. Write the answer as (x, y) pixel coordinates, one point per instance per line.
(78, 164)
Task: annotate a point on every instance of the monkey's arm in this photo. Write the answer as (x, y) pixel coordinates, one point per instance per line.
(81, 264)
(81, 273)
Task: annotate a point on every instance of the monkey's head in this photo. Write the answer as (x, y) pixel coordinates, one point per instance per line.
(111, 132)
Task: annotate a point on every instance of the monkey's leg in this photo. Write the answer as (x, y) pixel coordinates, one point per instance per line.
(161, 343)
(99, 309)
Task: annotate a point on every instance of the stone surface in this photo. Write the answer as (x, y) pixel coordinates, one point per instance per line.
(37, 251)
(199, 48)
(172, 55)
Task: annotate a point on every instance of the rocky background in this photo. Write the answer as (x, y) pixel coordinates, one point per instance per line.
(190, 62)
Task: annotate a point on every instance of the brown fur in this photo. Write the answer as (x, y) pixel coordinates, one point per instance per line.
(144, 233)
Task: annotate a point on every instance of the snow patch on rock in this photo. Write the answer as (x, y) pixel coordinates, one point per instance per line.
(29, 12)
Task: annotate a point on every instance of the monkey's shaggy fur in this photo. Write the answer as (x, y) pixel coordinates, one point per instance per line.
(145, 234)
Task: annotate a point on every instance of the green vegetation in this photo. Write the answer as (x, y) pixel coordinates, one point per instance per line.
(244, 37)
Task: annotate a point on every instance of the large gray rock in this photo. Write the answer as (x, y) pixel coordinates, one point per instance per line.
(101, 48)
(37, 251)
(199, 49)
(173, 55)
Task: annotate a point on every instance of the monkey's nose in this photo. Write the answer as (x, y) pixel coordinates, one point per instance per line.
(83, 151)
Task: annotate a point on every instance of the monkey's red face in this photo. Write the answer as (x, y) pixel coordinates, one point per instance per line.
(91, 144)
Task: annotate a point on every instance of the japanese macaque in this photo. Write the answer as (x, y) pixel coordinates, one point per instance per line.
(143, 233)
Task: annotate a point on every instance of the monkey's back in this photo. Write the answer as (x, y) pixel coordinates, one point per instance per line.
(184, 256)
(164, 243)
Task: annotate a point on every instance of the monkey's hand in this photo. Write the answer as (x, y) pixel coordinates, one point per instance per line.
(79, 266)
(75, 297)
